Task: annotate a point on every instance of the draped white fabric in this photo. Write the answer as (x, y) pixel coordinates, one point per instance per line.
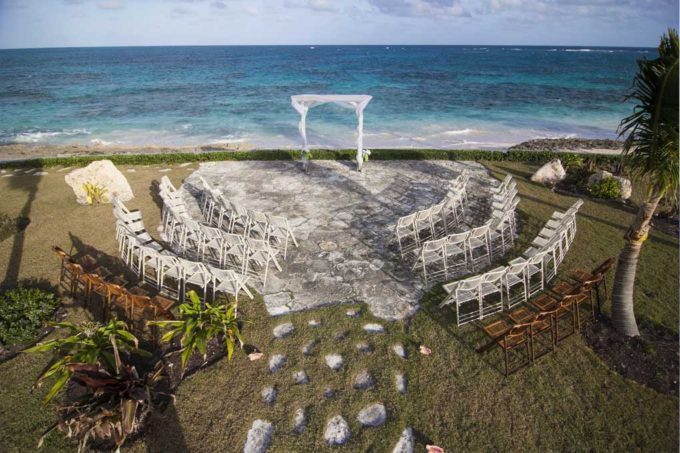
(303, 102)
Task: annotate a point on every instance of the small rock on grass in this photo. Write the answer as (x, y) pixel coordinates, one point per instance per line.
(363, 380)
(405, 443)
(329, 393)
(364, 346)
(337, 431)
(400, 382)
(373, 415)
(299, 421)
(314, 323)
(259, 436)
(341, 335)
(276, 362)
(399, 350)
(334, 361)
(353, 313)
(283, 330)
(374, 328)
(300, 377)
(308, 349)
(269, 395)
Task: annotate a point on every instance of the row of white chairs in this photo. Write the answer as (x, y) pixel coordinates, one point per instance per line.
(168, 273)
(435, 221)
(201, 242)
(504, 287)
(232, 217)
(467, 251)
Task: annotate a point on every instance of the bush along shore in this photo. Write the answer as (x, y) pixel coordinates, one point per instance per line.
(537, 157)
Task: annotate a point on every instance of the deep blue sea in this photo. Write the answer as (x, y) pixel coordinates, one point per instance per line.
(423, 96)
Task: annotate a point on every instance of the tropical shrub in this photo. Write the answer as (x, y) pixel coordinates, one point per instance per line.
(110, 404)
(94, 194)
(23, 311)
(608, 188)
(198, 324)
(89, 343)
(572, 161)
(11, 225)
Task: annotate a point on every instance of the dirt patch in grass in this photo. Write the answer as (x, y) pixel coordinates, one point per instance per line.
(650, 359)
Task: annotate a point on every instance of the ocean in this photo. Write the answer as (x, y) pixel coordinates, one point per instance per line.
(486, 97)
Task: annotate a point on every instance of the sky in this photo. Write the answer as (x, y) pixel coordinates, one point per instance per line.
(75, 23)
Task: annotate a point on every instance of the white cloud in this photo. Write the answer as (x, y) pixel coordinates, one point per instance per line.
(180, 11)
(421, 8)
(111, 4)
(314, 5)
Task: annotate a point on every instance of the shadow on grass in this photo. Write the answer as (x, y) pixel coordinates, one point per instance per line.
(29, 184)
(165, 434)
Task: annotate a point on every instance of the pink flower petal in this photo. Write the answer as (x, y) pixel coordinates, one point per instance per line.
(255, 356)
(434, 449)
(425, 351)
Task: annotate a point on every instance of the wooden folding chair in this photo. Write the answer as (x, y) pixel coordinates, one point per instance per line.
(509, 338)
(581, 275)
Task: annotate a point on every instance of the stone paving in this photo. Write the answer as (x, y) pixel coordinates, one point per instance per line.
(343, 221)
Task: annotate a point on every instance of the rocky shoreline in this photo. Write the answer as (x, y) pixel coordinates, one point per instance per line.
(23, 151)
(569, 144)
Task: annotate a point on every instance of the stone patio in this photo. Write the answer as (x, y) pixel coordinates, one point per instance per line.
(343, 221)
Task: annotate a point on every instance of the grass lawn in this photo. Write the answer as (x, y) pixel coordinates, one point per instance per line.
(457, 398)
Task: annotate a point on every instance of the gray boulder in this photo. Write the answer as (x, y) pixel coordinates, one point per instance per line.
(299, 421)
(625, 185)
(269, 395)
(405, 443)
(373, 415)
(334, 361)
(337, 431)
(101, 173)
(550, 173)
(283, 330)
(363, 380)
(259, 436)
(276, 362)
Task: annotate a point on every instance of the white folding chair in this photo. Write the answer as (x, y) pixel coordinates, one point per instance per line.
(405, 229)
(280, 231)
(479, 245)
(456, 252)
(491, 285)
(433, 256)
(467, 299)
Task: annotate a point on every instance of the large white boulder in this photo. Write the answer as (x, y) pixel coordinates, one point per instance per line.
(550, 173)
(625, 185)
(101, 173)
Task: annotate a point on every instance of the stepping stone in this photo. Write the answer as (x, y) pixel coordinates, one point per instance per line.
(131, 170)
(165, 170)
(300, 377)
(337, 431)
(314, 323)
(374, 328)
(269, 395)
(259, 436)
(334, 361)
(277, 362)
(308, 349)
(40, 173)
(405, 443)
(400, 382)
(299, 421)
(364, 347)
(341, 335)
(185, 164)
(399, 350)
(353, 313)
(373, 415)
(363, 380)
(283, 330)
(329, 393)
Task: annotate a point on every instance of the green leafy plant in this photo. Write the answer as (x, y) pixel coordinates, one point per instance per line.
(608, 188)
(89, 343)
(23, 311)
(94, 194)
(11, 225)
(199, 324)
(572, 161)
(110, 404)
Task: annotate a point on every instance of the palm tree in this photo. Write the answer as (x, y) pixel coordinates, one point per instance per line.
(650, 153)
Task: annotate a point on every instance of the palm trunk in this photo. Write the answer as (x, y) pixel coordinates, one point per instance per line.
(623, 315)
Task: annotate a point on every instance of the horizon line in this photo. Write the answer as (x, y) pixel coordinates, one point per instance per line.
(328, 45)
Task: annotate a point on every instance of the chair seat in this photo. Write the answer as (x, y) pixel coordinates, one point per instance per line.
(522, 315)
(544, 302)
(580, 275)
(563, 288)
(540, 326)
(465, 295)
(488, 288)
(496, 329)
(513, 279)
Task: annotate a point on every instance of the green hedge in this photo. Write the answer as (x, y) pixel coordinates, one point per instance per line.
(24, 311)
(317, 154)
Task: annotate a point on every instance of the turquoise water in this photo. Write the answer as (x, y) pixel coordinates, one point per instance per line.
(423, 96)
